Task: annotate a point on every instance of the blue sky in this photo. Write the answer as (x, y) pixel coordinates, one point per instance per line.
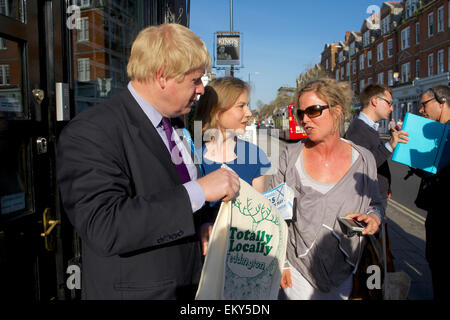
(281, 38)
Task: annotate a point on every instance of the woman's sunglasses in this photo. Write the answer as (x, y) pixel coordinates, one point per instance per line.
(311, 112)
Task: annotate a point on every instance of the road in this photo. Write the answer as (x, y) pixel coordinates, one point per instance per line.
(406, 222)
(404, 191)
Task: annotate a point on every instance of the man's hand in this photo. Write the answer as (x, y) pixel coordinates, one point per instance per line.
(221, 184)
(398, 136)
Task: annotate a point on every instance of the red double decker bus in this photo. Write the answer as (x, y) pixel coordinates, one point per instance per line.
(285, 122)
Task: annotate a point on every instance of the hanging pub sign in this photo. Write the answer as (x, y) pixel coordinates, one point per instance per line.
(228, 48)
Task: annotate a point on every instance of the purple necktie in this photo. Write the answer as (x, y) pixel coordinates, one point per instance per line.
(181, 167)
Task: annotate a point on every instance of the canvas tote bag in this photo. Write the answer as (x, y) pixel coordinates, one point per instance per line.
(246, 250)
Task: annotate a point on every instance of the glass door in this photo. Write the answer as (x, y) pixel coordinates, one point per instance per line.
(28, 222)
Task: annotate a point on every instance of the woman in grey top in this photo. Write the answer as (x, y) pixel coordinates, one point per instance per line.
(332, 178)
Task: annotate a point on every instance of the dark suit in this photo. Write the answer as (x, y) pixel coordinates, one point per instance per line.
(362, 134)
(124, 196)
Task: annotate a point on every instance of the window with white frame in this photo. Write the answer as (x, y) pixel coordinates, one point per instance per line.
(369, 80)
(405, 38)
(361, 62)
(326, 64)
(406, 70)
(410, 7)
(83, 32)
(390, 78)
(83, 3)
(440, 19)
(4, 7)
(390, 48)
(440, 61)
(347, 69)
(341, 56)
(408, 11)
(337, 74)
(417, 68)
(414, 5)
(361, 85)
(417, 32)
(366, 38)
(354, 87)
(430, 25)
(380, 78)
(352, 48)
(83, 69)
(385, 23)
(380, 52)
(430, 64)
(369, 58)
(354, 66)
(4, 74)
(3, 44)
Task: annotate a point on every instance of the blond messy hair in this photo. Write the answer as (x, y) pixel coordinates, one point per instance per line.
(334, 93)
(220, 95)
(170, 47)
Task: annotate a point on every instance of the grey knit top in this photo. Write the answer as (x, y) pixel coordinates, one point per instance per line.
(316, 246)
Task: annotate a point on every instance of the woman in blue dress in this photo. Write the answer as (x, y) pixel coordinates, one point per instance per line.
(224, 112)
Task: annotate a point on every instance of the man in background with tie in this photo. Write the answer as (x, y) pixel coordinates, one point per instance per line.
(126, 183)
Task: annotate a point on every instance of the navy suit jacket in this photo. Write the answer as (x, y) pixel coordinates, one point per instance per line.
(124, 196)
(362, 134)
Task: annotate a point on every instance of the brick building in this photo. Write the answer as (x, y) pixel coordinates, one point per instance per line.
(406, 45)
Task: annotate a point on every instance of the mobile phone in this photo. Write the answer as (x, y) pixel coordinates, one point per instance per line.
(351, 226)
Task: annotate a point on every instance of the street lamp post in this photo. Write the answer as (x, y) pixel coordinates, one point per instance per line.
(231, 29)
(249, 81)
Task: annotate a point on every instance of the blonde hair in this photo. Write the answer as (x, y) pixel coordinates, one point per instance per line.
(220, 95)
(334, 93)
(170, 47)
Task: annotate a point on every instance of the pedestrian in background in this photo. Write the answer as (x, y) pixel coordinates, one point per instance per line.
(224, 113)
(376, 101)
(399, 125)
(391, 126)
(331, 178)
(433, 193)
(130, 201)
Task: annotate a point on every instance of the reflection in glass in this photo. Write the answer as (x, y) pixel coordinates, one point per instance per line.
(102, 34)
(13, 8)
(101, 44)
(14, 195)
(11, 103)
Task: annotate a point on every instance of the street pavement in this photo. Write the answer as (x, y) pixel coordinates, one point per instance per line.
(407, 235)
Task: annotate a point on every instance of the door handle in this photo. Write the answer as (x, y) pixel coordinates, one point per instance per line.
(41, 145)
(38, 95)
(52, 224)
(49, 225)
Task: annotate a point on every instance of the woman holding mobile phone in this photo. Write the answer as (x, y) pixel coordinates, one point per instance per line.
(331, 178)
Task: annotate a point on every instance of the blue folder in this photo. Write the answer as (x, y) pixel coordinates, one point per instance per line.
(428, 147)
